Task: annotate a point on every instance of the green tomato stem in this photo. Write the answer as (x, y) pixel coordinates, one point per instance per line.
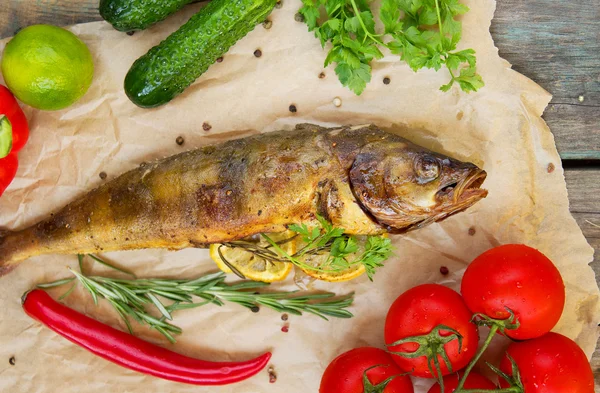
(486, 343)
(438, 371)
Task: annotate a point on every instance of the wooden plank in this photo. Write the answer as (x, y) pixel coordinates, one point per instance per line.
(583, 186)
(588, 222)
(576, 129)
(584, 190)
(584, 194)
(557, 44)
(22, 13)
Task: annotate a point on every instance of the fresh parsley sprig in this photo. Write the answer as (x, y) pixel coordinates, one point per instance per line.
(424, 33)
(427, 36)
(350, 28)
(340, 250)
(340, 246)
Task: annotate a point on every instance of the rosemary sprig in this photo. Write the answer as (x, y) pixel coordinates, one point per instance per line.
(133, 298)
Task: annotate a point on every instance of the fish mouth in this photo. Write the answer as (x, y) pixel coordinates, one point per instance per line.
(470, 188)
(458, 196)
(454, 198)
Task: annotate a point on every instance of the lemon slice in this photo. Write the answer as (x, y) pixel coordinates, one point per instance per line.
(330, 275)
(250, 265)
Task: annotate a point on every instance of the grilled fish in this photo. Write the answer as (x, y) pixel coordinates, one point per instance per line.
(360, 178)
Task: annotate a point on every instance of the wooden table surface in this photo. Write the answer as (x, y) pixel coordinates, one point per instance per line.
(555, 43)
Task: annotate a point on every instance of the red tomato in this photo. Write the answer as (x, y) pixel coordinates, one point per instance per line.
(474, 381)
(11, 109)
(345, 373)
(417, 312)
(552, 363)
(520, 278)
(8, 170)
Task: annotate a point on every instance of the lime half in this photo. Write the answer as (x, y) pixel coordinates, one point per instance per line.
(47, 67)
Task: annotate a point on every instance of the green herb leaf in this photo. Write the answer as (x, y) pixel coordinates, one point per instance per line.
(56, 283)
(355, 78)
(428, 16)
(310, 11)
(103, 262)
(390, 16)
(469, 80)
(160, 306)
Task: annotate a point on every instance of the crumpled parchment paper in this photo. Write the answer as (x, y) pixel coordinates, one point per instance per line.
(499, 128)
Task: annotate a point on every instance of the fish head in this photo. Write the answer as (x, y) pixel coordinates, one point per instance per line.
(404, 186)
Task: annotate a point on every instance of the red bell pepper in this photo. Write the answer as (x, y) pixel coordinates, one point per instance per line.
(13, 125)
(10, 108)
(131, 352)
(8, 170)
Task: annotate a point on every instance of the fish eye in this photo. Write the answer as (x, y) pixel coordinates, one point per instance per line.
(427, 169)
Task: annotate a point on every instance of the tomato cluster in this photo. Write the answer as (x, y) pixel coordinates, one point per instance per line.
(14, 132)
(431, 331)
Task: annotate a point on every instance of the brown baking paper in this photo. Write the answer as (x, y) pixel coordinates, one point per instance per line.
(499, 128)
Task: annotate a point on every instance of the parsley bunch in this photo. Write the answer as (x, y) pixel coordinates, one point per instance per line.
(342, 249)
(424, 33)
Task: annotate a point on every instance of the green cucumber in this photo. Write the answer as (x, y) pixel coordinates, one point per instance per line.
(131, 15)
(173, 65)
(6, 138)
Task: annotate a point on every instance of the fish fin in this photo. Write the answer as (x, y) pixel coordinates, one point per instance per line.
(5, 266)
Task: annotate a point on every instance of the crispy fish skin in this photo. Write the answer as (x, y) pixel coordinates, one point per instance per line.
(363, 179)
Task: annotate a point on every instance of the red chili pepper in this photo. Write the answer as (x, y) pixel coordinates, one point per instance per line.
(8, 170)
(131, 352)
(11, 109)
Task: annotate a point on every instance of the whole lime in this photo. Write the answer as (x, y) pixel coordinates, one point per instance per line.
(47, 67)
